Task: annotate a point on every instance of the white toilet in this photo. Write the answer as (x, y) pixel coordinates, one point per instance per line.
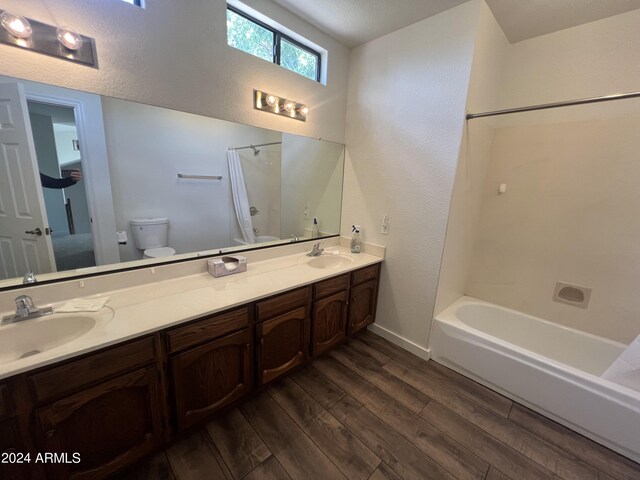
(151, 235)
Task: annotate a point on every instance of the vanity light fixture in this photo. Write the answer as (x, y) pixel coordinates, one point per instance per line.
(62, 42)
(17, 26)
(268, 102)
(69, 38)
(272, 100)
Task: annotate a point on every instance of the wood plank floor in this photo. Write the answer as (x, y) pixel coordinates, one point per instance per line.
(370, 410)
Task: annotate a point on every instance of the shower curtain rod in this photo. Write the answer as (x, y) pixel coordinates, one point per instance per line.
(258, 145)
(544, 106)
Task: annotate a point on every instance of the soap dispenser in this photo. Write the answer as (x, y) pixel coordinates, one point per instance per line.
(356, 243)
(315, 231)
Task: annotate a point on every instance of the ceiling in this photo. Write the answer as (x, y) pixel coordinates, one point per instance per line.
(354, 22)
(522, 19)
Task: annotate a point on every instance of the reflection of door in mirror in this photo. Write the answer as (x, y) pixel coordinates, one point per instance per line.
(24, 244)
(67, 133)
(55, 137)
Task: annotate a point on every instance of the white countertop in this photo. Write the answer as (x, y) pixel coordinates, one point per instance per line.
(140, 310)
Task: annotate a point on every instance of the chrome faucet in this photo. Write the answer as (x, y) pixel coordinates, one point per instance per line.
(25, 309)
(316, 251)
(29, 278)
(294, 238)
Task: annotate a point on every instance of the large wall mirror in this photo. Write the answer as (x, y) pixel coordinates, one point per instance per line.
(91, 184)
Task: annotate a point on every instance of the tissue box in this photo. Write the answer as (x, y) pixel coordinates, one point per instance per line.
(228, 265)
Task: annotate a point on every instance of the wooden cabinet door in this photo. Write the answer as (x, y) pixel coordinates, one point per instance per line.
(329, 325)
(10, 444)
(283, 343)
(362, 305)
(110, 426)
(211, 376)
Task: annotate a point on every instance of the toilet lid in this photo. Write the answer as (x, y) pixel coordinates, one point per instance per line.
(159, 252)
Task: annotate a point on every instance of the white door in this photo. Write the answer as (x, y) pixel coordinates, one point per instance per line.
(22, 212)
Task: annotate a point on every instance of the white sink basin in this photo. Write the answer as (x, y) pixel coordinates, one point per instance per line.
(38, 335)
(330, 261)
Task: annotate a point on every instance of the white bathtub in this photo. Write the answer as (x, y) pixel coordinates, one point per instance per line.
(259, 239)
(550, 368)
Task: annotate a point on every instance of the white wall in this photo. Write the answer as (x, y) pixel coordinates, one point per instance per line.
(484, 90)
(511, 264)
(148, 146)
(68, 158)
(597, 58)
(312, 177)
(407, 96)
(570, 214)
(175, 54)
(65, 134)
(45, 145)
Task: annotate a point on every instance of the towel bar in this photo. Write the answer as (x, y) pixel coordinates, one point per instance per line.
(200, 177)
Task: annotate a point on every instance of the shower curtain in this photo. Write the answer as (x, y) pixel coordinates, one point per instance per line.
(240, 198)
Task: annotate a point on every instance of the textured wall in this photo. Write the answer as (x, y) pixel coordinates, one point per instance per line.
(175, 54)
(569, 214)
(148, 146)
(407, 96)
(484, 89)
(312, 175)
(537, 234)
(597, 58)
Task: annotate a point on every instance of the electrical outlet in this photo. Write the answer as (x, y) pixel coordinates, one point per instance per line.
(384, 228)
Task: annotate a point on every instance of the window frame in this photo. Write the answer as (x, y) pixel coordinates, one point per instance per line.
(278, 36)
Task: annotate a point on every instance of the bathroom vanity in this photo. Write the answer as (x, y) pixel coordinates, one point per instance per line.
(117, 404)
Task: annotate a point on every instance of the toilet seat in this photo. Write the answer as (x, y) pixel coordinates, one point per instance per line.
(159, 252)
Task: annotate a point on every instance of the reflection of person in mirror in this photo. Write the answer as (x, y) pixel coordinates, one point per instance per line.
(69, 177)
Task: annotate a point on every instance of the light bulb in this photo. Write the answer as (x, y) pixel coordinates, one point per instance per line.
(15, 25)
(304, 110)
(69, 38)
(289, 106)
(272, 100)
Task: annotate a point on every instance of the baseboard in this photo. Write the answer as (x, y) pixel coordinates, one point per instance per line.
(417, 350)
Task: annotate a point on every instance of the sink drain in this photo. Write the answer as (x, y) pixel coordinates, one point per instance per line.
(29, 353)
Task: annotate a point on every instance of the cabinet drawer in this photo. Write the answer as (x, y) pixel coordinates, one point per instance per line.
(364, 274)
(284, 303)
(208, 329)
(91, 369)
(330, 286)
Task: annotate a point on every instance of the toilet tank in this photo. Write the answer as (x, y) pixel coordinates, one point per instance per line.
(150, 232)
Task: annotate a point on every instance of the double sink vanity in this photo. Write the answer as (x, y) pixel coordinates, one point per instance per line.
(163, 356)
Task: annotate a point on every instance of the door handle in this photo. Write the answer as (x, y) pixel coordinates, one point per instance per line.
(37, 231)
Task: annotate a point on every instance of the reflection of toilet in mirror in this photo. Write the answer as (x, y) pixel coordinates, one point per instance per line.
(151, 235)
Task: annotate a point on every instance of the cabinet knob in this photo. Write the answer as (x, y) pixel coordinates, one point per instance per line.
(50, 434)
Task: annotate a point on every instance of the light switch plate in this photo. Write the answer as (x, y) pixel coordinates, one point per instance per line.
(384, 228)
